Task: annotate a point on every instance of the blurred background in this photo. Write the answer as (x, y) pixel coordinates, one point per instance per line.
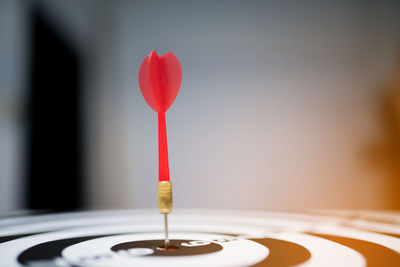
(283, 105)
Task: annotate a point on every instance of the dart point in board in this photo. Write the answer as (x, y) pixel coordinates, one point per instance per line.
(159, 81)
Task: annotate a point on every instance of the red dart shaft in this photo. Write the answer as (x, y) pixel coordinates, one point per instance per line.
(163, 167)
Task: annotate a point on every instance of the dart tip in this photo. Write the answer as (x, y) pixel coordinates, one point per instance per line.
(166, 241)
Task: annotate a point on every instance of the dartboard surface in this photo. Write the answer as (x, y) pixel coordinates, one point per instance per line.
(202, 238)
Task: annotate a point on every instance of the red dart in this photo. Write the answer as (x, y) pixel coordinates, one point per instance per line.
(159, 80)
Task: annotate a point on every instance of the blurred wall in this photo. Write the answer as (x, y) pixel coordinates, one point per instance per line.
(13, 57)
(277, 105)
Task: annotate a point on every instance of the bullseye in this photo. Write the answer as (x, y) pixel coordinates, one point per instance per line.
(169, 248)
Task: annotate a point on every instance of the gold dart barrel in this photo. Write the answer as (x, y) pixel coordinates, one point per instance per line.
(164, 197)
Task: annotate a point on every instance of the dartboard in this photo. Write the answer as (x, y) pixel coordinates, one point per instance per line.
(202, 238)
